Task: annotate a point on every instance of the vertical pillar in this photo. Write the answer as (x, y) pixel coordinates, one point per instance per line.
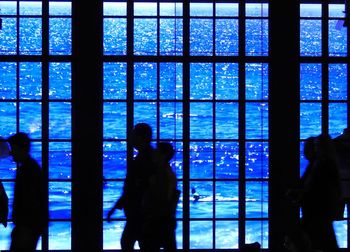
(284, 118)
(87, 134)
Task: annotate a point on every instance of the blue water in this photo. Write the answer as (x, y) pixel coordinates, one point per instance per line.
(226, 158)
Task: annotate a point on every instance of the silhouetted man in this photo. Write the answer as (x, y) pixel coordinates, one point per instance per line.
(135, 184)
(28, 199)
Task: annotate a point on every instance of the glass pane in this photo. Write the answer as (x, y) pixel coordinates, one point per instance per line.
(257, 160)
(60, 200)
(60, 234)
(310, 38)
(145, 9)
(60, 120)
(114, 160)
(227, 159)
(146, 112)
(114, 36)
(5, 236)
(60, 8)
(201, 81)
(114, 80)
(111, 193)
(337, 39)
(226, 199)
(171, 80)
(177, 165)
(336, 10)
(226, 120)
(60, 36)
(310, 81)
(201, 234)
(8, 8)
(226, 37)
(112, 232)
(170, 35)
(310, 10)
(30, 80)
(338, 115)
(257, 199)
(201, 120)
(170, 120)
(226, 234)
(257, 123)
(60, 80)
(8, 117)
(226, 9)
(114, 120)
(226, 86)
(145, 36)
(256, 37)
(29, 8)
(8, 36)
(257, 10)
(60, 160)
(201, 9)
(145, 77)
(257, 231)
(30, 118)
(30, 32)
(310, 119)
(201, 37)
(338, 89)
(170, 9)
(8, 80)
(201, 160)
(341, 231)
(257, 81)
(114, 9)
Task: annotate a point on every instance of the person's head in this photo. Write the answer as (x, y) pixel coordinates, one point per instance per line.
(165, 151)
(141, 136)
(19, 146)
(309, 148)
(324, 146)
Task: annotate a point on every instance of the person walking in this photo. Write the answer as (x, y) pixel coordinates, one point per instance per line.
(135, 184)
(28, 211)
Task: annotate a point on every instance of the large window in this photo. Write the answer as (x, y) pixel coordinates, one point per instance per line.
(324, 79)
(198, 73)
(203, 85)
(35, 90)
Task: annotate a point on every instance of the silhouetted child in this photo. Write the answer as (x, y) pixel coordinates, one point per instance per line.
(28, 211)
(160, 203)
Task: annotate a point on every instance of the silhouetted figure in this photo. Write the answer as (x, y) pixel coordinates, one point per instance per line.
(159, 203)
(342, 146)
(28, 213)
(135, 184)
(251, 247)
(320, 194)
(4, 207)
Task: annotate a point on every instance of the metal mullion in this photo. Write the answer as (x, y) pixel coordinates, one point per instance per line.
(130, 74)
(45, 110)
(214, 123)
(324, 62)
(158, 75)
(186, 124)
(241, 120)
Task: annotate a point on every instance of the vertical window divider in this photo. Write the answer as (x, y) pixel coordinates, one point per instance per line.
(241, 123)
(325, 62)
(45, 112)
(186, 124)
